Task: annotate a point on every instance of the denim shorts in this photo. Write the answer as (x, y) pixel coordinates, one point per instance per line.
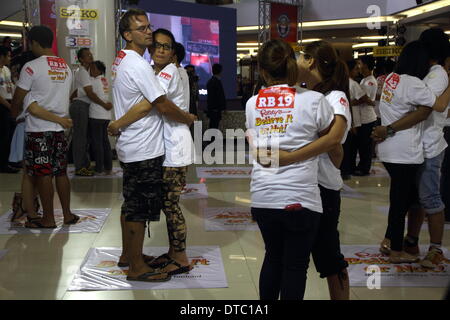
(429, 177)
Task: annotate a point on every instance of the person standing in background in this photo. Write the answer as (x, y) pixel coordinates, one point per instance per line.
(368, 117)
(216, 101)
(193, 89)
(99, 118)
(7, 123)
(79, 112)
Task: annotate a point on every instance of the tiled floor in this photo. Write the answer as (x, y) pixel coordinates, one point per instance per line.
(42, 266)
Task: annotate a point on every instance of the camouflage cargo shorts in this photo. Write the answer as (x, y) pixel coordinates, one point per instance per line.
(142, 190)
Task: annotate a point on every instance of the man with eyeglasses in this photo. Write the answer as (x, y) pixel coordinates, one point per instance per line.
(139, 103)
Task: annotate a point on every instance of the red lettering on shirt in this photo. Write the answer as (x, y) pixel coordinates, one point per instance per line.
(56, 63)
(393, 81)
(29, 71)
(371, 83)
(344, 102)
(276, 97)
(165, 75)
(119, 58)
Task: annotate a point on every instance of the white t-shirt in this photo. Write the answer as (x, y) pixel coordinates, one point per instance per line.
(433, 135)
(380, 83)
(295, 118)
(49, 79)
(100, 86)
(447, 121)
(369, 85)
(356, 93)
(401, 95)
(186, 89)
(134, 80)
(6, 84)
(330, 176)
(82, 79)
(177, 137)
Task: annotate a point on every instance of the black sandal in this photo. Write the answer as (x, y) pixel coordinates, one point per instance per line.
(180, 269)
(160, 265)
(72, 221)
(37, 224)
(147, 260)
(145, 277)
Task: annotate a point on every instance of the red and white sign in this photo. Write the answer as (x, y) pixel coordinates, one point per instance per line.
(283, 24)
(276, 97)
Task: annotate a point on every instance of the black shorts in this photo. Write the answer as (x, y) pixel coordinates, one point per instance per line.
(46, 153)
(326, 251)
(142, 190)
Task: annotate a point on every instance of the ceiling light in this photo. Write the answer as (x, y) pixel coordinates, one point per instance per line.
(247, 44)
(365, 45)
(12, 35)
(374, 37)
(309, 40)
(249, 28)
(11, 23)
(348, 21)
(246, 48)
(325, 23)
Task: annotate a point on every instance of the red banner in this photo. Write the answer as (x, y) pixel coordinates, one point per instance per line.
(48, 18)
(283, 24)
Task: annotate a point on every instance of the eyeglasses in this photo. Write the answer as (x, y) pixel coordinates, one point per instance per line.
(143, 29)
(165, 46)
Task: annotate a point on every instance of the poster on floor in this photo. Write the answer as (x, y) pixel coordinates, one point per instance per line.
(91, 221)
(194, 191)
(229, 219)
(224, 172)
(363, 258)
(117, 172)
(385, 211)
(351, 193)
(99, 271)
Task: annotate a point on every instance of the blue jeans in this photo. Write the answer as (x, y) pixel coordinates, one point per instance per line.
(429, 185)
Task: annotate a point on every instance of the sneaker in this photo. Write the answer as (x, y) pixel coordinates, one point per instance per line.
(83, 172)
(385, 246)
(433, 258)
(403, 257)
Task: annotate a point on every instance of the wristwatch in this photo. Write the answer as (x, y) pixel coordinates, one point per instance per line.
(390, 131)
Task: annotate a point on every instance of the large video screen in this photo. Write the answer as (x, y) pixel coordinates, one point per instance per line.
(200, 38)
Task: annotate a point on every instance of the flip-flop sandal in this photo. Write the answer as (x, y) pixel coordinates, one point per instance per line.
(147, 260)
(37, 224)
(145, 277)
(181, 269)
(160, 265)
(72, 221)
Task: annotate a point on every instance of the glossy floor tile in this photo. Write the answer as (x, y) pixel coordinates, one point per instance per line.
(42, 266)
